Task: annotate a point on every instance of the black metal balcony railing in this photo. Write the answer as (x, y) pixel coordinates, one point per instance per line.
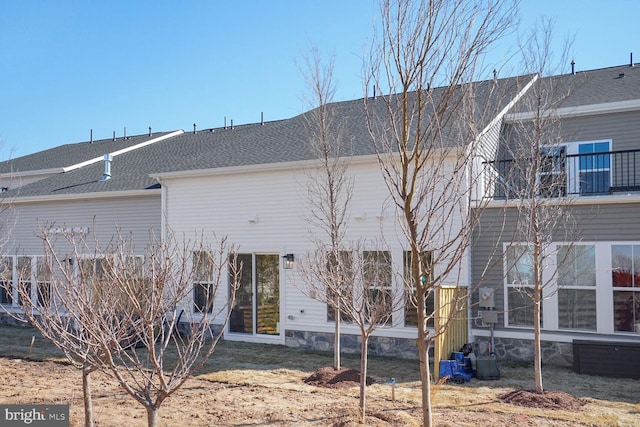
(559, 174)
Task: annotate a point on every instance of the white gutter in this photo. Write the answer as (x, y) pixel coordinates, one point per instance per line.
(124, 150)
(38, 172)
(81, 196)
(582, 110)
(265, 167)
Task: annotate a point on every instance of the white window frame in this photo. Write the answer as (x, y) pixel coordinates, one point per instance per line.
(203, 281)
(580, 287)
(509, 286)
(612, 289)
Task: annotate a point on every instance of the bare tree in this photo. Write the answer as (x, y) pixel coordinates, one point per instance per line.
(369, 300)
(69, 300)
(329, 192)
(426, 133)
(538, 189)
(130, 315)
(164, 357)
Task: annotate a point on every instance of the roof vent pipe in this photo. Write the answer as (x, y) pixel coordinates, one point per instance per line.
(194, 129)
(114, 135)
(631, 59)
(125, 133)
(262, 118)
(495, 75)
(108, 158)
(231, 123)
(225, 122)
(573, 67)
(149, 130)
(90, 136)
(374, 91)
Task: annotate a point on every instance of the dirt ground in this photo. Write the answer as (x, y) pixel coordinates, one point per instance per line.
(250, 384)
(205, 402)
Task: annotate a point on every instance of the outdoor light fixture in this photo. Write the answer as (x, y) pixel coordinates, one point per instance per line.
(287, 261)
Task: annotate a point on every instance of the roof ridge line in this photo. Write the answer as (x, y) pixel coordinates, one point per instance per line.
(124, 150)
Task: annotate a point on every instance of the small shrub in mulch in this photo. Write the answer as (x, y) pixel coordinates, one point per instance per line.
(546, 400)
(335, 378)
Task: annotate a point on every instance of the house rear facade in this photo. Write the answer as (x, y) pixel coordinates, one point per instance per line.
(249, 183)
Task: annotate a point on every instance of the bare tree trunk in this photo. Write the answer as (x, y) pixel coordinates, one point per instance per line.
(425, 374)
(336, 344)
(86, 390)
(363, 378)
(537, 303)
(152, 417)
(537, 347)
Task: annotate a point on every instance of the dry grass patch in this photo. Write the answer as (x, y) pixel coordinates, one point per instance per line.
(253, 384)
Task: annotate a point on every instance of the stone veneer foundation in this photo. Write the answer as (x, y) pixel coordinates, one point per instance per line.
(553, 353)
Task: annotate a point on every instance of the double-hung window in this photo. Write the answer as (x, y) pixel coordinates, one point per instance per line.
(6, 280)
(576, 277)
(410, 313)
(625, 267)
(203, 286)
(340, 289)
(43, 281)
(34, 280)
(520, 282)
(377, 275)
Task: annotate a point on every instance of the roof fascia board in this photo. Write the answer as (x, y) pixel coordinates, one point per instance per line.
(37, 172)
(124, 150)
(283, 166)
(623, 198)
(510, 105)
(582, 110)
(80, 196)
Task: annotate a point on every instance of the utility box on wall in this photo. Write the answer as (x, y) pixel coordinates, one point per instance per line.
(486, 298)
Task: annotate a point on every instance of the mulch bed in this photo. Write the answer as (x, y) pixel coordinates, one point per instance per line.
(332, 378)
(546, 400)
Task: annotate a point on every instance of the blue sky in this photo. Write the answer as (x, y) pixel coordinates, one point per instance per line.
(68, 67)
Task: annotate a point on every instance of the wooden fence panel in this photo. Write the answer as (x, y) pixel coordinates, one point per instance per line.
(451, 319)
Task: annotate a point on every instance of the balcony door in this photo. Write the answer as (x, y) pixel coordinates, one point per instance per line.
(576, 168)
(590, 168)
(256, 310)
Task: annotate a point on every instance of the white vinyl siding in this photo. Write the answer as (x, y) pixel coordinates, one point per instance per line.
(267, 211)
(134, 216)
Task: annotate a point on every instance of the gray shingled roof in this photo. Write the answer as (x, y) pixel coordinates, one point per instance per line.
(621, 83)
(591, 87)
(272, 142)
(71, 154)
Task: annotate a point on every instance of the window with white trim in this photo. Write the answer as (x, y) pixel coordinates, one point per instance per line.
(625, 281)
(377, 274)
(576, 277)
(520, 283)
(203, 286)
(34, 274)
(410, 312)
(6, 280)
(341, 272)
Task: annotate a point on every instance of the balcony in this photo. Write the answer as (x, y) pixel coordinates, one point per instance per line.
(557, 174)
